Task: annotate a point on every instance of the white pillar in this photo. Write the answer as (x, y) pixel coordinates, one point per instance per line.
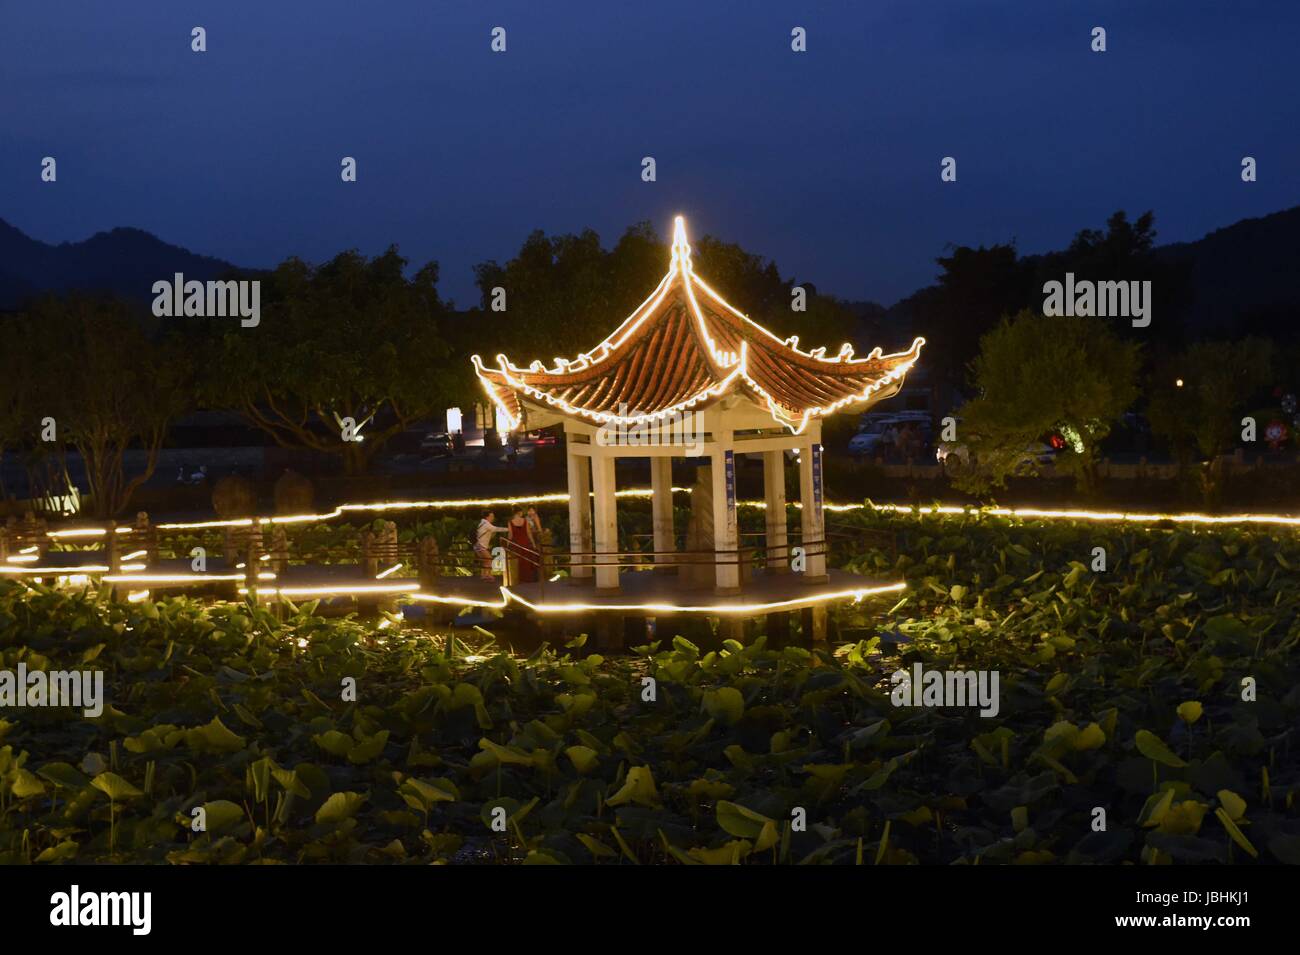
(811, 518)
(606, 522)
(579, 511)
(778, 557)
(661, 506)
(725, 536)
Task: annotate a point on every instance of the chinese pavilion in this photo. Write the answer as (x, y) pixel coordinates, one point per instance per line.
(688, 375)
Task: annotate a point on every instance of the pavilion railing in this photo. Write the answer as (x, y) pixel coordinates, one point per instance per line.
(553, 563)
(377, 552)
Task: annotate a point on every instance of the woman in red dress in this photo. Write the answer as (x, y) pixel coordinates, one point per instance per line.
(521, 535)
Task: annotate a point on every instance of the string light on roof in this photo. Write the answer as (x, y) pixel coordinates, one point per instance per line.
(506, 384)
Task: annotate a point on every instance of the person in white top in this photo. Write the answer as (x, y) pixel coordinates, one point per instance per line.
(483, 543)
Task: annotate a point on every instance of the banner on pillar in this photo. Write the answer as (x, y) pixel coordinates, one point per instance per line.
(729, 469)
(817, 476)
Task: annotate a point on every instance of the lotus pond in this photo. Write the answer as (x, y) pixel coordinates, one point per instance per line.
(1121, 691)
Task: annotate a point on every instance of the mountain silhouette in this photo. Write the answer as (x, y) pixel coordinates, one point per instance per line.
(125, 262)
(1243, 276)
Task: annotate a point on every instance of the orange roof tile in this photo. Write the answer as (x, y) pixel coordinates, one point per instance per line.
(684, 347)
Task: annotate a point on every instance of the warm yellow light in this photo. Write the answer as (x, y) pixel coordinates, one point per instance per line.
(48, 571)
(681, 269)
(134, 554)
(1178, 383)
(384, 506)
(857, 593)
(1078, 514)
(340, 590)
(389, 572)
(457, 601)
(136, 596)
(87, 532)
(24, 558)
(178, 578)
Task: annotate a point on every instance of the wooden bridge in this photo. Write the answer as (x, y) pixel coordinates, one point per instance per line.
(242, 560)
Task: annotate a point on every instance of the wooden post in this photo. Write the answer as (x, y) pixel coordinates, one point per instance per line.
(726, 547)
(610, 631)
(606, 522)
(778, 554)
(777, 626)
(579, 512)
(427, 557)
(369, 557)
(253, 562)
(814, 624)
(661, 506)
(279, 550)
(811, 518)
(113, 548)
(145, 537)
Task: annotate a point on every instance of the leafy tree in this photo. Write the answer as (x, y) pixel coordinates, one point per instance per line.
(108, 384)
(1198, 399)
(976, 289)
(351, 339)
(1035, 375)
(12, 401)
(566, 293)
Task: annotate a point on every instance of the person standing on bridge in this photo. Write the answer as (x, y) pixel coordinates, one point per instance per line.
(483, 543)
(525, 546)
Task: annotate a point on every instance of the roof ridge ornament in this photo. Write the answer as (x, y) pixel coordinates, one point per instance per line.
(681, 245)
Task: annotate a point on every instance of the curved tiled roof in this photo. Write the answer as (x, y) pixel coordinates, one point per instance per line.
(684, 347)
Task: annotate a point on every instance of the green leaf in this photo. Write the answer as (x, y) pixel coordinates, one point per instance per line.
(1153, 747)
(724, 704)
(26, 784)
(213, 737)
(288, 778)
(736, 820)
(1234, 804)
(368, 749)
(595, 846)
(222, 815)
(334, 742)
(584, 758)
(638, 789)
(339, 807)
(427, 794)
(63, 775)
(61, 853)
(114, 786)
(1237, 835)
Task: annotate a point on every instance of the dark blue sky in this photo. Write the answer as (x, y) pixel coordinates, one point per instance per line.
(827, 161)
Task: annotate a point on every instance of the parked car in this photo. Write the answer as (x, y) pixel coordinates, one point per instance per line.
(437, 444)
(867, 441)
(1039, 452)
(870, 438)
